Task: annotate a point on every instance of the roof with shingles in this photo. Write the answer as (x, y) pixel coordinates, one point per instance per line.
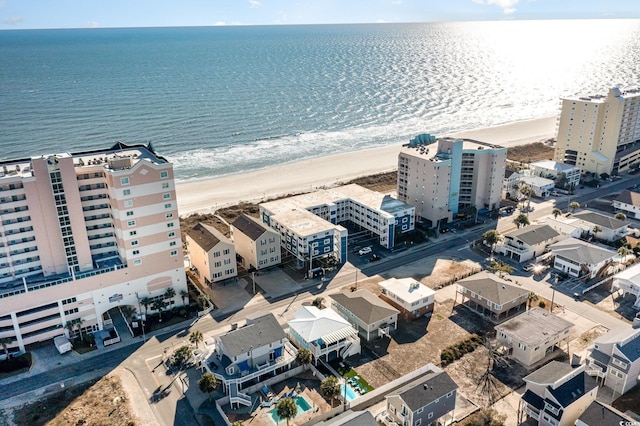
(249, 226)
(425, 390)
(628, 197)
(581, 252)
(550, 373)
(258, 332)
(492, 288)
(534, 326)
(601, 220)
(206, 236)
(534, 234)
(368, 307)
(598, 414)
(574, 389)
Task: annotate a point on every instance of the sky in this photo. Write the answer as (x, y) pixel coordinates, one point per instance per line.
(30, 14)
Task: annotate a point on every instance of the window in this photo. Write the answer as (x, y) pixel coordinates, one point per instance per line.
(124, 181)
(168, 215)
(420, 410)
(129, 213)
(165, 185)
(164, 175)
(430, 415)
(132, 233)
(131, 223)
(128, 203)
(134, 243)
(67, 301)
(217, 264)
(418, 422)
(171, 234)
(174, 252)
(216, 254)
(166, 196)
(167, 206)
(170, 225)
(172, 244)
(226, 251)
(135, 252)
(137, 262)
(126, 192)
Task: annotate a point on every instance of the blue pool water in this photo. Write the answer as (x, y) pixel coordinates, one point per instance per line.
(302, 404)
(351, 394)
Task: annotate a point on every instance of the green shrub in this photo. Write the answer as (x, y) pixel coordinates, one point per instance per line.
(542, 304)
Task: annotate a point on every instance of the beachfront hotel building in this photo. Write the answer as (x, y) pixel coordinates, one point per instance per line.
(442, 176)
(600, 134)
(81, 234)
(309, 224)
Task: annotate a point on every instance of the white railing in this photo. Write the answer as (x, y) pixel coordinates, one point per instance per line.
(531, 413)
(111, 341)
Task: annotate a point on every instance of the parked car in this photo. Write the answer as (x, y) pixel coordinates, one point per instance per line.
(365, 250)
(529, 267)
(374, 258)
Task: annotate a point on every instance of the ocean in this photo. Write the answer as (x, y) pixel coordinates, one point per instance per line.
(223, 100)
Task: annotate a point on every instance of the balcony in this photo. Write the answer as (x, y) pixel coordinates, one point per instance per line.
(532, 412)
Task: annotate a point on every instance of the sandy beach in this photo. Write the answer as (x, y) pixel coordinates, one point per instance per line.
(210, 194)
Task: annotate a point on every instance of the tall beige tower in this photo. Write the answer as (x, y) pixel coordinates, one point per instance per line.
(600, 134)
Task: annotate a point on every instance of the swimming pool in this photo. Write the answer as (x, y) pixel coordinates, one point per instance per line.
(302, 404)
(351, 394)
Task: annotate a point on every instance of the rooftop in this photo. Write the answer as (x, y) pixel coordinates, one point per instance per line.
(492, 288)
(598, 414)
(304, 223)
(632, 274)
(534, 326)
(537, 181)
(206, 236)
(313, 324)
(553, 165)
(550, 373)
(426, 389)
(600, 220)
(581, 252)
(628, 197)
(366, 306)
(407, 289)
(258, 331)
(430, 147)
(534, 234)
(249, 226)
(574, 389)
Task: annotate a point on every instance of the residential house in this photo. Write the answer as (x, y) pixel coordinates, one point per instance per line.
(212, 255)
(257, 245)
(556, 395)
(532, 335)
(540, 187)
(528, 242)
(611, 229)
(492, 297)
(428, 400)
(324, 333)
(599, 414)
(350, 418)
(258, 350)
(369, 314)
(614, 357)
(509, 185)
(628, 202)
(629, 282)
(579, 258)
(565, 176)
(566, 226)
(412, 298)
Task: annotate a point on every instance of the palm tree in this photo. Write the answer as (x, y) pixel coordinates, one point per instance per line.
(181, 356)
(5, 345)
(204, 300)
(287, 409)
(146, 302)
(184, 294)
(596, 229)
(303, 356)
(492, 237)
(70, 326)
(623, 252)
(208, 383)
(573, 206)
(78, 323)
(159, 305)
(526, 190)
(521, 220)
(128, 312)
(196, 337)
(556, 213)
(330, 388)
(621, 216)
(169, 293)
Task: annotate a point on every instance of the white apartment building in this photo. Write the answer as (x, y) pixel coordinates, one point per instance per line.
(442, 176)
(309, 223)
(600, 134)
(212, 255)
(256, 243)
(81, 234)
(565, 176)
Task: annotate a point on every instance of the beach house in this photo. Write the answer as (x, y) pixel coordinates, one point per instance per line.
(257, 245)
(565, 176)
(628, 202)
(579, 258)
(324, 333)
(211, 254)
(608, 228)
(370, 315)
(528, 242)
(598, 414)
(509, 184)
(84, 234)
(491, 296)
(412, 298)
(629, 282)
(556, 395)
(532, 335)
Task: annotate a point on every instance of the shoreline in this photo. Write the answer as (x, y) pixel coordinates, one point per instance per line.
(207, 195)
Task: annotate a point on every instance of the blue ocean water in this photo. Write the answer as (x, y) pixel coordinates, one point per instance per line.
(221, 100)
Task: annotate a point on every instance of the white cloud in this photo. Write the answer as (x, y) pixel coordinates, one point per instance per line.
(254, 3)
(507, 6)
(220, 24)
(92, 24)
(13, 20)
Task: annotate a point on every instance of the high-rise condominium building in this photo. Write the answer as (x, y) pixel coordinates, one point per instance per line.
(441, 177)
(83, 233)
(600, 134)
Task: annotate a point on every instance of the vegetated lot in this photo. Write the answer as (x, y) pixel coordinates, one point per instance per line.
(104, 402)
(530, 152)
(381, 182)
(616, 304)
